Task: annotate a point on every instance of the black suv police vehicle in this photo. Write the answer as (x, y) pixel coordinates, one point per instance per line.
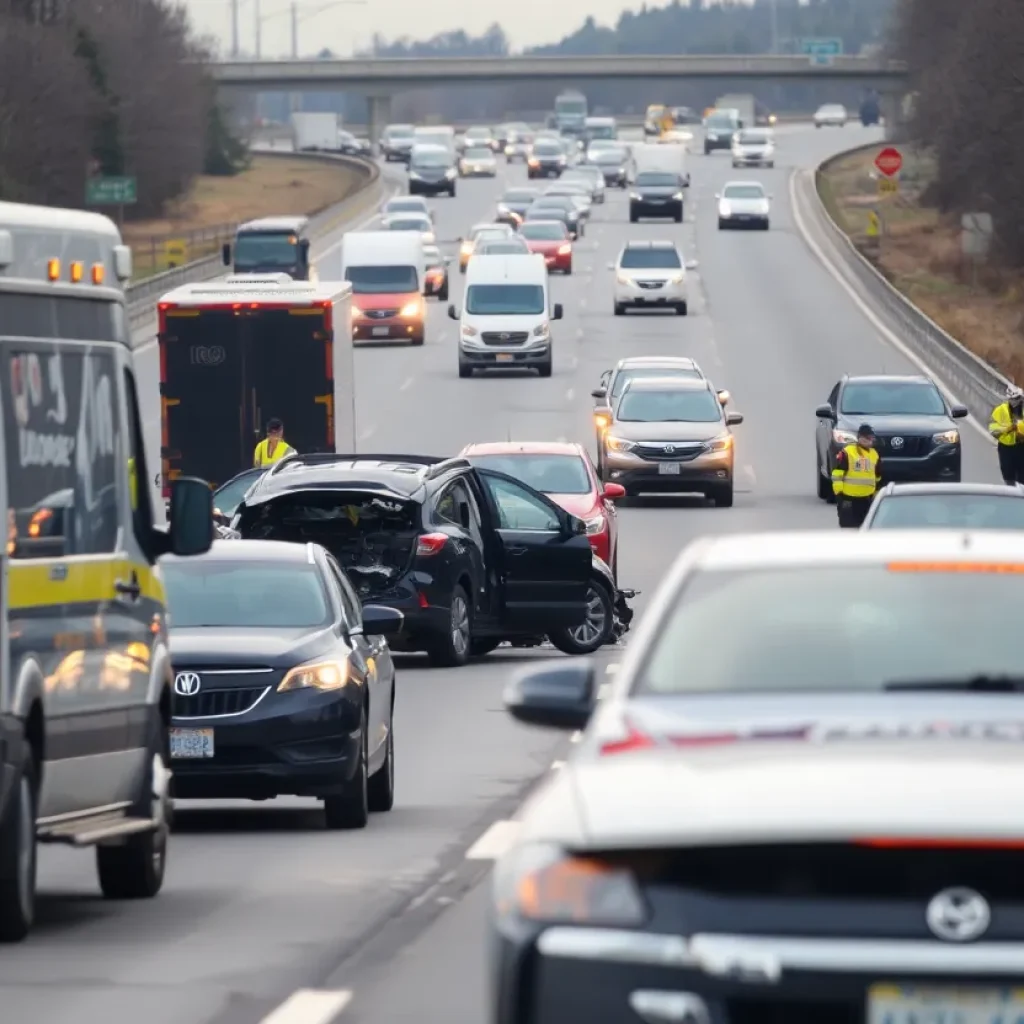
(471, 557)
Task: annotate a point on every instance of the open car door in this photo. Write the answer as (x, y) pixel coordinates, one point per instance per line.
(545, 554)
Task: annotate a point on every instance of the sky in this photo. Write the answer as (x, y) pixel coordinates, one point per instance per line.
(343, 25)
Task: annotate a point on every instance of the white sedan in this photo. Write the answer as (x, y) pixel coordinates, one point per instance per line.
(743, 204)
(478, 162)
(831, 115)
(412, 222)
(753, 147)
(405, 205)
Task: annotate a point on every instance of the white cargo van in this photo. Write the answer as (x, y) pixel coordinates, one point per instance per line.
(506, 320)
(388, 274)
(671, 158)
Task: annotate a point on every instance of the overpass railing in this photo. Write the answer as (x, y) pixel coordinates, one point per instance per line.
(142, 295)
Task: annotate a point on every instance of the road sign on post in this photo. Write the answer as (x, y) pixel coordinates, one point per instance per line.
(111, 191)
(889, 162)
(888, 186)
(822, 51)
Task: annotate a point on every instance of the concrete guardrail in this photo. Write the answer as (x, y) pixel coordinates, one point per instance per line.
(142, 295)
(977, 384)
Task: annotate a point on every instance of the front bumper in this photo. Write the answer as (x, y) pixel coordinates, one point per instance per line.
(703, 474)
(722, 142)
(558, 974)
(753, 159)
(391, 329)
(654, 208)
(479, 171)
(558, 264)
(545, 170)
(634, 295)
(520, 357)
(744, 220)
(615, 179)
(941, 465)
(419, 187)
(304, 743)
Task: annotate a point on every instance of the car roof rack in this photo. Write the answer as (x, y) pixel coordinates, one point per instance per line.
(434, 464)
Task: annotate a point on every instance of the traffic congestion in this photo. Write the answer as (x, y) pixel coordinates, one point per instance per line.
(491, 540)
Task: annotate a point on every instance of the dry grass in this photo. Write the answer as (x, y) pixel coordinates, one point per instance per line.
(919, 252)
(205, 218)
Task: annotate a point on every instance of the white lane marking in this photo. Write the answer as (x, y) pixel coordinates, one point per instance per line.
(576, 737)
(612, 668)
(603, 690)
(868, 312)
(579, 332)
(310, 1006)
(406, 384)
(748, 472)
(570, 394)
(368, 433)
(495, 841)
(557, 765)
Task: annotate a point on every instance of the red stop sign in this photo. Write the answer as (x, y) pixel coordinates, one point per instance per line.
(889, 161)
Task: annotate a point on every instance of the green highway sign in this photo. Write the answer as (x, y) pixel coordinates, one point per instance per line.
(822, 51)
(111, 191)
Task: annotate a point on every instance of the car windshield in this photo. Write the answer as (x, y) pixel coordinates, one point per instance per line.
(551, 474)
(408, 224)
(229, 496)
(519, 195)
(256, 249)
(544, 232)
(548, 149)
(722, 122)
(205, 592)
(610, 156)
(400, 131)
(743, 192)
(625, 376)
(404, 206)
(555, 203)
(429, 161)
(949, 512)
(548, 213)
(388, 280)
(753, 138)
(499, 246)
(505, 299)
(601, 132)
(488, 234)
(669, 407)
(892, 398)
(658, 178)
(479, 153)
(665, 258)
(780, 628)
(478, 133)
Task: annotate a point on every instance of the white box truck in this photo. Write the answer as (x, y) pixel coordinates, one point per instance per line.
(314, 131)
(654, 156)
(743, 103)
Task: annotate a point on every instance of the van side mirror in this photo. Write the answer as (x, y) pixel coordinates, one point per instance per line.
(225, 254)
(599, 393)
(556, 313)
(733, 419)
(824, 412)
(379, 620)
(453, 313)
(191, 517)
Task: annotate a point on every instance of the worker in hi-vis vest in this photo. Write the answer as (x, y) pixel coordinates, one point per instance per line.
(273, 448)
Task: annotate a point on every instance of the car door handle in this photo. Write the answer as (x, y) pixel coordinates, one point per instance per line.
(130, 589)
(518, 549)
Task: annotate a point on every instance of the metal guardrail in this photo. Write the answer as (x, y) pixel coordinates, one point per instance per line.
(141, 296)
(978, 385)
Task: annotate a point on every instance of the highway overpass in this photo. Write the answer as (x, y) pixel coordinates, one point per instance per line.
(385, 76)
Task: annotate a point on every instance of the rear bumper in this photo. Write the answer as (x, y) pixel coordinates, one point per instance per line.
(393, 329)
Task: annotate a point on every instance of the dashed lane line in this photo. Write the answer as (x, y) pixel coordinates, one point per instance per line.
(310, 1006)
(495, 841)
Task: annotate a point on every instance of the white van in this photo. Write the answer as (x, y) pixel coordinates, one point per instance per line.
(388, 274)
(506, 320)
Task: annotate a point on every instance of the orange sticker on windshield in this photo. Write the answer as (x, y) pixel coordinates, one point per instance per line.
(1014, 568)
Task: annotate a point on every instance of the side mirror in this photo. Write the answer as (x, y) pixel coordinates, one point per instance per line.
(691, 264)
(559, 696)
(718, 195)
(723, 397)
(453, 313)
(191, 517)
(225, 254)
(599, 393)
(959, 412)
(733, 419)
(379, 620)
(824, 412)
(556, 313)
(614, 491)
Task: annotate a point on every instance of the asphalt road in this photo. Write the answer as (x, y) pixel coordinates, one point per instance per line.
(386, 925)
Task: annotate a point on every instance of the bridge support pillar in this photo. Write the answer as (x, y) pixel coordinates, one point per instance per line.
(894, 110)
(379, 114)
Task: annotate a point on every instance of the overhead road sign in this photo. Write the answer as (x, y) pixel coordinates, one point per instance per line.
(889, 161)
(111, 191)
(822, 51)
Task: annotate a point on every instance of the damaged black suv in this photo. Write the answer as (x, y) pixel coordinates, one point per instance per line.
(470, 556)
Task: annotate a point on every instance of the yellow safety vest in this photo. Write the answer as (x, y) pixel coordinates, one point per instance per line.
(860, 479)
(262, 456)
(1002, 427)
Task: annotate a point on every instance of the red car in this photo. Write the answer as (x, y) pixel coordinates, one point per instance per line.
(551, 239)
(564, 472)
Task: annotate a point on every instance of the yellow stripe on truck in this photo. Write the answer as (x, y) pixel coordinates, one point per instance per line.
(45, 583)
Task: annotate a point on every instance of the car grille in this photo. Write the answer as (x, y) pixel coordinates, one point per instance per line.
(909, 448)
(674, 451)
(650, 284)
(504, 337)
(381, 314)
(845, 872)
(216, 701)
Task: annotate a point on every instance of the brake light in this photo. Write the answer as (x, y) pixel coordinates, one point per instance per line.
(632, 741)
(431, 544)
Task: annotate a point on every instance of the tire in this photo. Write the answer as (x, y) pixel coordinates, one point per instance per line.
(415, 342)
(482, 647)
(442, 295)
(620, 309)
(633, 218)
(825, 492)
(18, 855)
(135, 869)
(723, 496)
(444, 650)
(707, 150)
(678, 218)
(569, 641)
(544, 369)
(351, 809)
(735, 164)
(568, 271)
(465, 370)
(722, 225)
(462, 267)
(765, 226)
(380, 790)
(682, 309)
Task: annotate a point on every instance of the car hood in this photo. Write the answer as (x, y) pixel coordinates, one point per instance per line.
(431, 173)
(211, 647)
(666, 431)
(802, 769)
(495, 324)
(583, 506)
(896, 424)
(650, 273)
(745, 205)
(544, 246)
(753, 147)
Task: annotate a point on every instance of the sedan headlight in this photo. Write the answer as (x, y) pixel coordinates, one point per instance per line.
(619, 444)
(596, 526)
(844, 437)
(678, 196)
(720, 444)
(411, 309)
(624, 279)
(947, 437)
(415, 175)
(724, 210)
(324, 675)
(540, 882)
(678, 279)
(712, 137)
(635, 195)
(450, 173)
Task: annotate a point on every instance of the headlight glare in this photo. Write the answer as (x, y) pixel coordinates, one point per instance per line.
(720, 444)
(947, 437)
(324, 675)
(411, 309)
(619, 444)
(469, 332)
(844, 437)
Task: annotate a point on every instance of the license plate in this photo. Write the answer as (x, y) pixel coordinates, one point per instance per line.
(909, 1004)
(381, 332)
(503, 357)
(668, 468)
(193, 743)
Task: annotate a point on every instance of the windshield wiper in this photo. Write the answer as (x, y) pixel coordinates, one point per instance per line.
(966, 684)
